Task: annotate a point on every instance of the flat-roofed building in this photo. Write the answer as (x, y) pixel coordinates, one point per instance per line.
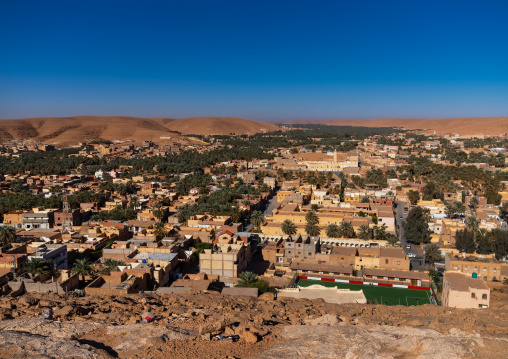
(485, 267)
(463, 291)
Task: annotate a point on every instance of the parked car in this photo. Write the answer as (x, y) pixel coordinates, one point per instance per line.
(408, 246)
(411, 255)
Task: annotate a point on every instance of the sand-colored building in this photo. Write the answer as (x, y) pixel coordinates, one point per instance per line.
(225, 260)
(463, 291)
(485, 267)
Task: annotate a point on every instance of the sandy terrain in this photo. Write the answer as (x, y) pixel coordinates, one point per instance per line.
(64, 131)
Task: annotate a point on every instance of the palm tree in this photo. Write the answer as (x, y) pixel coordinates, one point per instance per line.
(450, 210)
(83, 267)
(312, 229)
(312, 217)
(184, 213)
(380, 232)
(459, 208)
(134, 203)
(7, 234)
(346, 230)
(247, 279)
(38, 266)
(159, 212)
(364, 232)
(473, 203)
(392, 240)
(473, 223)
(160, 230)
(257, 219)
(333, 231)
(108, 265)
(288, 228)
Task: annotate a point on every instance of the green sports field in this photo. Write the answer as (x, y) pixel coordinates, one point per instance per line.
(384, 295)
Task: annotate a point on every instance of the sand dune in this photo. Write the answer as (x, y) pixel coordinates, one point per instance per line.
(64, 131)
(462, 126)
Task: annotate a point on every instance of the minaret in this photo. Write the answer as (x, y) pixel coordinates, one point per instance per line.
(67, 222)
(335, 156)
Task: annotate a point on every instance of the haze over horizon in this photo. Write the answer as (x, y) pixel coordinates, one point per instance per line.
(296, 60)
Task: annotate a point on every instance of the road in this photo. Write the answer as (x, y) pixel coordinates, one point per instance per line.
(272, 204)
(400, 216)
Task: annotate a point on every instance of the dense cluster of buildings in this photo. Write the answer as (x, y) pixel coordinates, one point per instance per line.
(157, 250)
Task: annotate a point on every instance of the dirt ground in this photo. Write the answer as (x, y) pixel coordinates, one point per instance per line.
(185, 325)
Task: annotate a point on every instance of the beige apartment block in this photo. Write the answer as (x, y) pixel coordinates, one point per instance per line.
(463, 291)
(485, 267)
(227, 261)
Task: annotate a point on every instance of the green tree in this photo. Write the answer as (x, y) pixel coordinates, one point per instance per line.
(312, 229)
(473, 203)
(288, 228)
(500, 243)
(108, 265)
(484, 241)
(413, 197)
(392, 239)
(380, 232)
(247, 279)
(416, 226)
(82, 267)
(184, 213)
(312, 217)
(473, 223)
(332, 231)
(257, 219)
(464, 241)
(7, 234)
(364, 232)
(503, 211)
(160, 230)
(38, 266)
(251, 280)
(346, 230)
(432, 253)
(159, 212)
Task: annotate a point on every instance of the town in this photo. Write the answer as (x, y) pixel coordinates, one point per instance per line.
(346, 214)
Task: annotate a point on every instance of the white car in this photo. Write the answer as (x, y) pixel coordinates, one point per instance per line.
(408, 246)
(411, 255)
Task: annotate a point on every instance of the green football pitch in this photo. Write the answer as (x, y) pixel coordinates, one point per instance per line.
(380, 295)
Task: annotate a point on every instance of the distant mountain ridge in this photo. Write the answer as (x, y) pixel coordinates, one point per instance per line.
(65, 131)
(461, 125)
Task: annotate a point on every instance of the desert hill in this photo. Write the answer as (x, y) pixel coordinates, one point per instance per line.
(462, 126)
(63, 131)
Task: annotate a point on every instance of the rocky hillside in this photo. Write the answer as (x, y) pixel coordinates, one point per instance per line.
(64, 131)
(185, 326)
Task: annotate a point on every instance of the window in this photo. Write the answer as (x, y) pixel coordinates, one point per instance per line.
(473, 295)
(495, 270)
(386, 261)
(398, 263)
(465, 268)
(475, 268)
(484, 296)
(484, 269)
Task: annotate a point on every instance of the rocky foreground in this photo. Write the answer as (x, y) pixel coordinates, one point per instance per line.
(186, 326)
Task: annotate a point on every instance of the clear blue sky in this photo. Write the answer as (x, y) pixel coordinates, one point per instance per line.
(254, 59)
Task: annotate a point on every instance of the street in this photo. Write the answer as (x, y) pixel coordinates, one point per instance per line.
(416, 262)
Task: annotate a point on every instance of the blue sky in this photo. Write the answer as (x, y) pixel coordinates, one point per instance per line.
(264, 60)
